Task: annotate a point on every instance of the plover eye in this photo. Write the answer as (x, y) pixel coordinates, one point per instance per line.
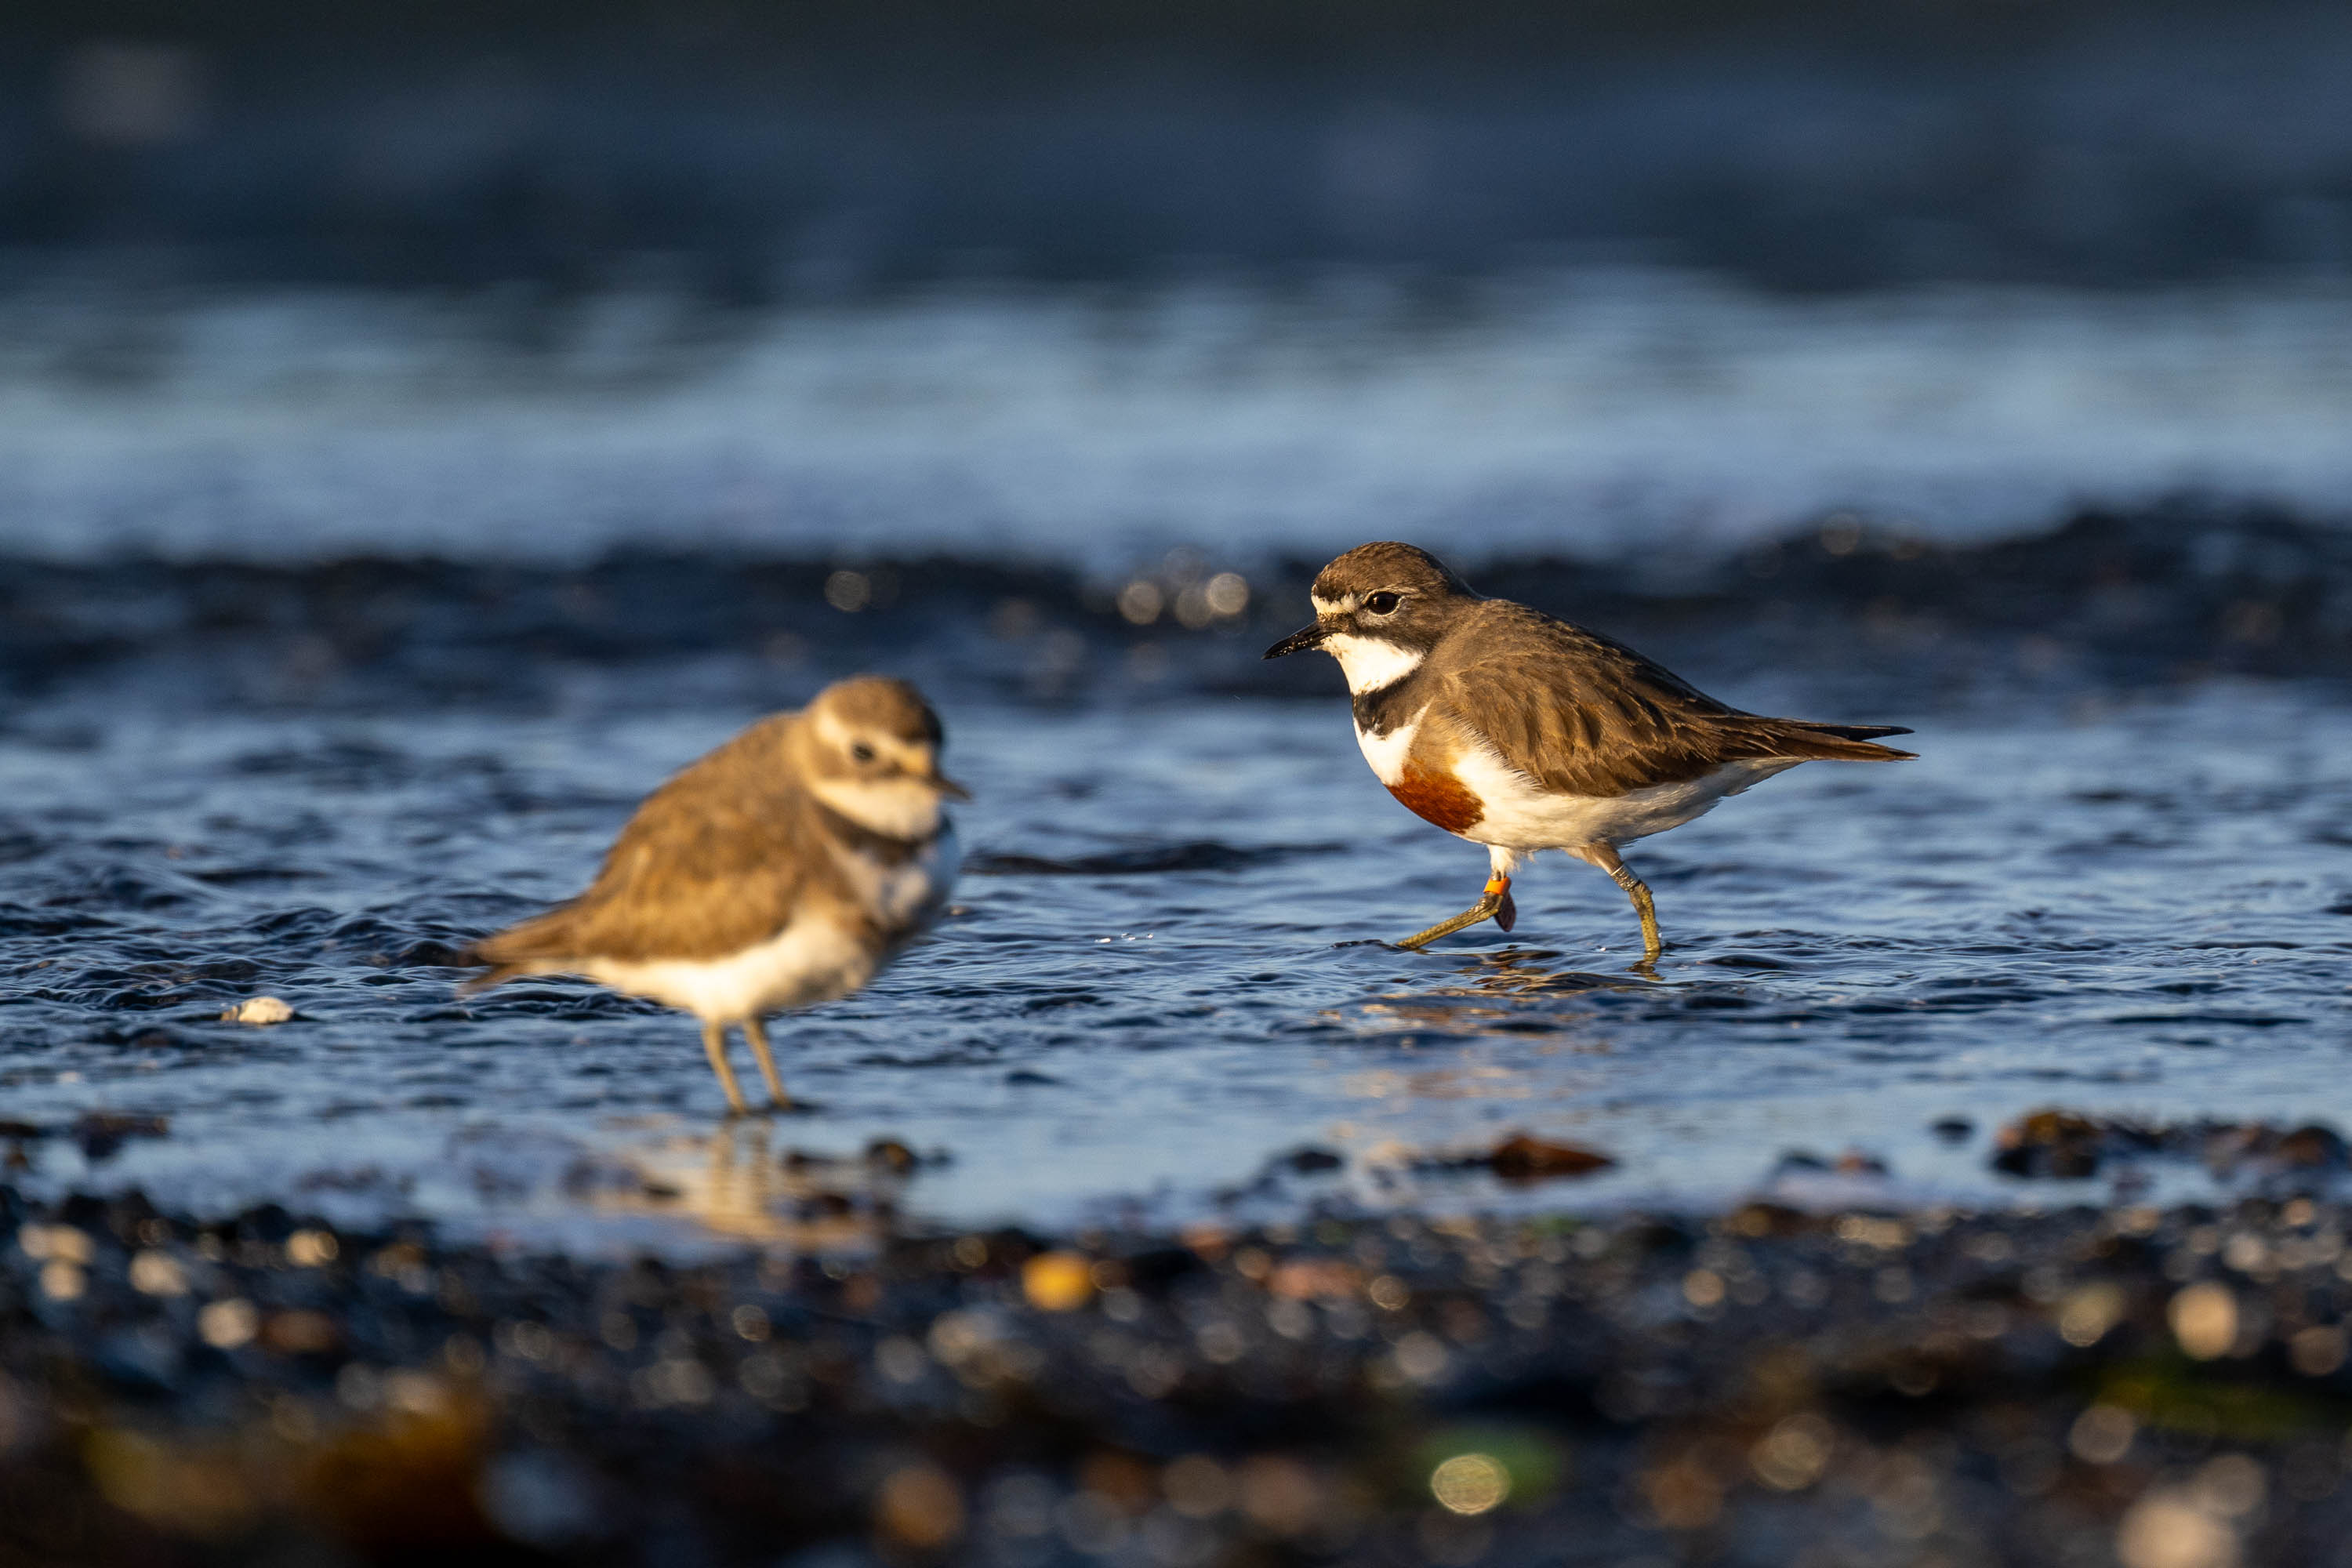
(861, 752)
(1380, 603)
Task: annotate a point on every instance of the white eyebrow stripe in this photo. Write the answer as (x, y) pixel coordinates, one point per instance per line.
(1324, 606)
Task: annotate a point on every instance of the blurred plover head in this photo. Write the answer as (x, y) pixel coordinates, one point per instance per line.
(871, 750)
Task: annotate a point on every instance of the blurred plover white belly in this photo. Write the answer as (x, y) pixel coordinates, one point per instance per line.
(785, 869)
(1521, 733)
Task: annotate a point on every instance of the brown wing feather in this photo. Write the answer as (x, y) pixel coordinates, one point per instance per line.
(1583, 714)
(713, 862)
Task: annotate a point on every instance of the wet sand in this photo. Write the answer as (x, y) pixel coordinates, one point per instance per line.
(2162, 1388)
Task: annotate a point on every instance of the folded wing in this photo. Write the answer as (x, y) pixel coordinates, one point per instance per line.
(1582, 714)
(714, 861)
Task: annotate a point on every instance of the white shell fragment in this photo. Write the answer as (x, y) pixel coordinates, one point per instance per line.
(258, 1010)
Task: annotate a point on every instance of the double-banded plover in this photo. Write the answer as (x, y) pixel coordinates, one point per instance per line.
(785, 869)
(1516, 731)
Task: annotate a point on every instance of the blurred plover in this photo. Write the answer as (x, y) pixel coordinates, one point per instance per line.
(1521, 733)
(785, 867)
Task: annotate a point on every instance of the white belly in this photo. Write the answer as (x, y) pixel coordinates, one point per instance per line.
(1520, 815)
(814, 958)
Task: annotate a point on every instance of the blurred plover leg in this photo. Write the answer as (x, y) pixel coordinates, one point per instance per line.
(1521, 733)
(785, 869)
(714, 1046)
(756, 1034)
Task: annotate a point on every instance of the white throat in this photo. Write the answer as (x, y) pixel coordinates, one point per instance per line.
(1370, 663)
(896, 808)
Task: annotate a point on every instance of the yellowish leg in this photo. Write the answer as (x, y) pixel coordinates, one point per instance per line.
(1497, 899)
(714, 1042)
(1605, 857)
(758, 1037)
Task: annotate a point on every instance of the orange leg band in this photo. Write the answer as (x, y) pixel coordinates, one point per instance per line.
(1496, 906)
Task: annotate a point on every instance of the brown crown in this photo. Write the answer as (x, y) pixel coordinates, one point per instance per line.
(878, 704)
(1387, 565)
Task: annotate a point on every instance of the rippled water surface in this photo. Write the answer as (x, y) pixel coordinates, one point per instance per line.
(2111, 883)
(1165, 975)
(1585, 408)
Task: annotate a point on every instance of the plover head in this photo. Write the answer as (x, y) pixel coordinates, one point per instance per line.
(1378, 609)
(871, 750)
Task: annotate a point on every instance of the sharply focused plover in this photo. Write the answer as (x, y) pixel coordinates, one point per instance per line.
(785, 867)
(1521, 733)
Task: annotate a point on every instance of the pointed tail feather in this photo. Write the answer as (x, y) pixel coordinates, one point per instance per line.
(497, 976)
(1838, 742)
(533, 947)
(1858, 732)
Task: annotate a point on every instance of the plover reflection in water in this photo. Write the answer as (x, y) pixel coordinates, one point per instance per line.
(1513, 730)
(785, 869)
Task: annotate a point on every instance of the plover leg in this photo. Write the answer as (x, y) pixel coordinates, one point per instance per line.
(1605, 857)
(714, 1042)
(1494, 905)
(758, 1037)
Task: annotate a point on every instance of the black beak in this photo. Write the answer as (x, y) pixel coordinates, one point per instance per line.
(1304, 640)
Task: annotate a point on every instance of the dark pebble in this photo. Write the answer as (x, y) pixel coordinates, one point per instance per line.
(269, 1388)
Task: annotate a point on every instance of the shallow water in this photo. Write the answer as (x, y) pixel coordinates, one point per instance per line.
(2121, 903)
(2107, 884)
